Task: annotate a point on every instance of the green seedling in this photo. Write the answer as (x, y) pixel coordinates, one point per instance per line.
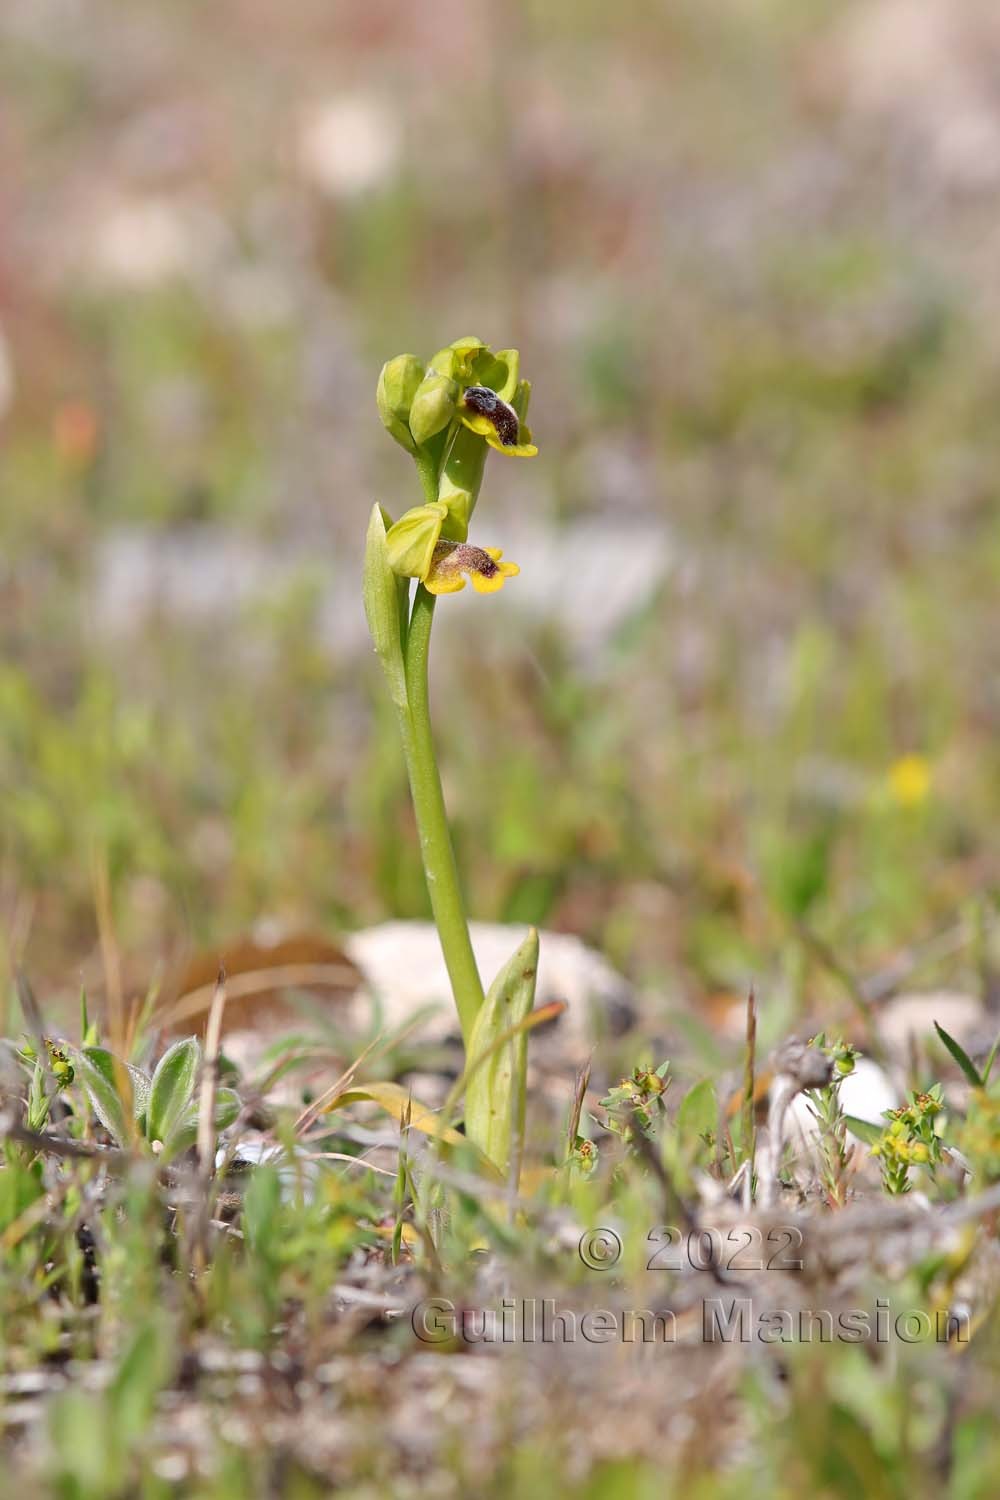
(830, 1118)
(636, 1104)
(161, 1111)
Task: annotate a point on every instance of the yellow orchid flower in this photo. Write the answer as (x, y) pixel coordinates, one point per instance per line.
(452, 561)
(489, 415)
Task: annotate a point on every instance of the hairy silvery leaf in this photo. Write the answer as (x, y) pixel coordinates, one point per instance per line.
(172, 1087)
(103, 1075)
(185, 1132)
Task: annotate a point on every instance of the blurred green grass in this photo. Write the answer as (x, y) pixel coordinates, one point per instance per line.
(739, 325)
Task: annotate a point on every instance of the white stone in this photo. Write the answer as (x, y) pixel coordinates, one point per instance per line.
(866, 1094)
(405, 971)
(910, 1018)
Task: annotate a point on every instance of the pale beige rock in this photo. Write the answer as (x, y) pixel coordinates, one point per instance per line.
(405, 972)
(866, 1094)
(910, 1018)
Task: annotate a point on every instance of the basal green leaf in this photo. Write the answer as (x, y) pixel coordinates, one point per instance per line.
(227, 1106)
(698, 1112)
(172, 1087)
(105, 1079)
(495, 1092)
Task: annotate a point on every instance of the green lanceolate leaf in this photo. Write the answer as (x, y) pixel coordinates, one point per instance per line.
(864, 1129)
(963, 1059)
(172, 1087)
(88, 1028)
(105, 1078)
(401, 1105)
(698, 1112)
(142, 1373)
(385, 595)
(21, 1185)
(495, 1093)
(988, 1064)
(227, 1106)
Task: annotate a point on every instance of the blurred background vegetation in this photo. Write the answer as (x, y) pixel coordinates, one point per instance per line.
(747, 682)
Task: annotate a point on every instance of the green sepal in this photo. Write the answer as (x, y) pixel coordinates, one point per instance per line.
(455, 526)
(385, 597)
(495, 1093)
(458, 360)
(410, 542)
(508, 362)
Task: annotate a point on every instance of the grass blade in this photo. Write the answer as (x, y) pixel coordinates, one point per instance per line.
(963, 1059)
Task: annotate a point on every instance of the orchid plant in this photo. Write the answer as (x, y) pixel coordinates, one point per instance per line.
(448, 415)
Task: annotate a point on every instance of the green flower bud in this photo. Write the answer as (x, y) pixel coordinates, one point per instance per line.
(397, 385)
(434, 405)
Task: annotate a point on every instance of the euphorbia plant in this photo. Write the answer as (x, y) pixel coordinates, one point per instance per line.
(448, 415)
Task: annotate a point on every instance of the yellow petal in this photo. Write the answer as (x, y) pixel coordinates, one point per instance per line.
(445, 584)
(453, 560)
(484, 584)
(512, 450)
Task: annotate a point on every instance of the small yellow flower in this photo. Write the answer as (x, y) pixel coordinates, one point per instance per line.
(453, 560)
(910, 780)
(495, 419)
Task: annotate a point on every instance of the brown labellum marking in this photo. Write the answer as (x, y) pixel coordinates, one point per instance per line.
(486, 403)
(459, 557)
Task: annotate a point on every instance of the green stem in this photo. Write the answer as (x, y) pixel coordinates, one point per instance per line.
(432, 820)
(427, 469)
